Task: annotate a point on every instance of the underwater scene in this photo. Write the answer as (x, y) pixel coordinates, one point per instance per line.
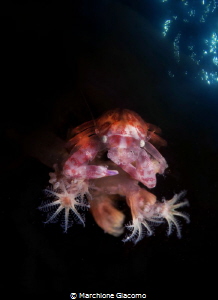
(109, 154)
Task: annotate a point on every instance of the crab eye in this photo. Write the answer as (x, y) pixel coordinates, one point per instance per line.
(142, 143)
(104, 139)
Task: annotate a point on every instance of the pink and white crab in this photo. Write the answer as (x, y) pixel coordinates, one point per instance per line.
(107, 157)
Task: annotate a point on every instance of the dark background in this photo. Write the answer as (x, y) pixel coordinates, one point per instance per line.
(62, 64)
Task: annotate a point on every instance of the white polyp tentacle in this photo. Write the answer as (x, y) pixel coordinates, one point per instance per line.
(142, 206)
(168, 211)
(54, 215)
(138, 230)
(68, 196)
(66, 218)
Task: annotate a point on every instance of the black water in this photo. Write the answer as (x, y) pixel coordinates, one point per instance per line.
(112, 53)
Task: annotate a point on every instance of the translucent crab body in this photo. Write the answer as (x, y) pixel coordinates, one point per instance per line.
(109, 157)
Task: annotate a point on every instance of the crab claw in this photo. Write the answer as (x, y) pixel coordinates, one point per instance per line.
(144, 169)
(89, 172)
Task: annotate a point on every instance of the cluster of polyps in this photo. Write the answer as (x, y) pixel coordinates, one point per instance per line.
(109, 157)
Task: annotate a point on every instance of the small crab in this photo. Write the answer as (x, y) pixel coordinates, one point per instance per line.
(126, 138)
(109, 157)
